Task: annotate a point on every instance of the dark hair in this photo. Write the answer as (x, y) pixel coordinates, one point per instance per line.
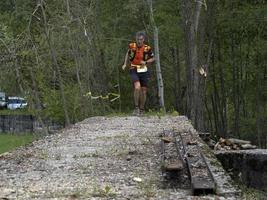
(141, 33)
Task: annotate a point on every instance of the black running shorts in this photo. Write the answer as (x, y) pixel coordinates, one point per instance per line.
(142, 77)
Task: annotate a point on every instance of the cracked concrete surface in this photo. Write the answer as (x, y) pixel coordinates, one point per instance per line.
(101, 158)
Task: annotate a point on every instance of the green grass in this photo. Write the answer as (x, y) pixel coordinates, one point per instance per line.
(9, 142)
(23, 111)
(159, 113)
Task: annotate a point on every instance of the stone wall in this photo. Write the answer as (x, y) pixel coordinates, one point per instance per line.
(247, 166)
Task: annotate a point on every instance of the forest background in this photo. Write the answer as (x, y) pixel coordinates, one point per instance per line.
(60, 54)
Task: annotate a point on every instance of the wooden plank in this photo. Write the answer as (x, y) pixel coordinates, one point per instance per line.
(202, 186)
(238, 141)
(202, 181)
(175, 165)
(171, 158)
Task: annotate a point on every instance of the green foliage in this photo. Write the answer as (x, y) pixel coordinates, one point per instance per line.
(23, 111)
(89, 44)
(9, 142)
(239, 64)
(53, 106)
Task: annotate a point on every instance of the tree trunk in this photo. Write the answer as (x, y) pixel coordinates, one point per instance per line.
(74, 52)
(191, 14)
(18, 73)
(55, 63)
(36, 95)
(259, 106)
(215, 99)
(158, 70)
(235, 88)
(90, 64)
(68, 8)
(38, 102)
(177, 79)
(157, 58)
(210, 125)
(17, 70)
(223, 109)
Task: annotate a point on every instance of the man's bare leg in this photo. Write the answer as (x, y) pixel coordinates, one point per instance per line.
(143, 99)
(137, 91)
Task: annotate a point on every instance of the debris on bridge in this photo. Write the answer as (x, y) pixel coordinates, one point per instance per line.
(233, 144)
(182, 150)
(117, 158)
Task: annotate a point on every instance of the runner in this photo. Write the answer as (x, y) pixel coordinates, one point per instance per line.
(140, 55)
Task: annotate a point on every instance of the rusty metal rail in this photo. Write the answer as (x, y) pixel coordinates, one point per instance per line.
(171, 156)
(182, 149)
(202, 180)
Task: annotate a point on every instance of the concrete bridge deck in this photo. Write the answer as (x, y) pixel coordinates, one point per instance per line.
(103, 158)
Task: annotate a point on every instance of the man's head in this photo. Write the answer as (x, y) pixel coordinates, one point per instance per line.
(140, 38)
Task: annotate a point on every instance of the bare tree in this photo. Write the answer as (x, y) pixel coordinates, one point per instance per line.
(35, 92)
(55, 63)
(157, 57)
(177, 78)
(74, 50)
(12, 52)
(197, 64)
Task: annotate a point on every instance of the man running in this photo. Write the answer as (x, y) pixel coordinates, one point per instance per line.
(139, 55)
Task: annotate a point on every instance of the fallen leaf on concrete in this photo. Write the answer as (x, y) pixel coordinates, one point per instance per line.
(137, 179)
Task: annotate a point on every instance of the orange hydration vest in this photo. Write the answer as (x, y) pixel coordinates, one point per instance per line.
(137, 54)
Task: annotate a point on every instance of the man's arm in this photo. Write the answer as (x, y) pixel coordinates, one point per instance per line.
(150, 60)
(150, 57)
(125, 61)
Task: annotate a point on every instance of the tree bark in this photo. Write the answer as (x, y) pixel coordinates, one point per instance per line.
(157, 58)
(17, 70)
(191, 14)
(74, 51)
(223, 109)
(55, 63)
(259, 108)
(215, 99)
(90, 63)
(177, 78)
(235, 88)
(35, 92)
(158, 70)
